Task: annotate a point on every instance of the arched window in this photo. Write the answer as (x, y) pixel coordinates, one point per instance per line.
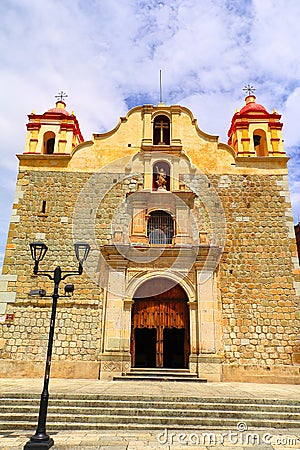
(260, 143)
(160, 228)
(49, 142)
(161, 176)
(161, 130)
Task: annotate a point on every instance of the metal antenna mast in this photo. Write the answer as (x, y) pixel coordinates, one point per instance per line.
(160, 87)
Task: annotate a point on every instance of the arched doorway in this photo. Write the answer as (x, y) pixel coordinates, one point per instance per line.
(160, 325)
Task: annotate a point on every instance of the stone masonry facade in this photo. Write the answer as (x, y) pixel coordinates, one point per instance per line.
(259, 318)
(252, 309)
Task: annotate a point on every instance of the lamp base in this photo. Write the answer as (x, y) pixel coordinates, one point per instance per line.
(42, 445)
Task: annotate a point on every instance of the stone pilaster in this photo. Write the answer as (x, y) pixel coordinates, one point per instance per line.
(208, 360)
(115, 358)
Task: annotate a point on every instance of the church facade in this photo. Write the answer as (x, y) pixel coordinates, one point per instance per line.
(193, 262)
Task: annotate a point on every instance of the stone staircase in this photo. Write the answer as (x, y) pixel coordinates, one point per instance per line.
(96, 412)
(158, 374)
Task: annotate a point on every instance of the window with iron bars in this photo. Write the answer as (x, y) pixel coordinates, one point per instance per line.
(160, 229)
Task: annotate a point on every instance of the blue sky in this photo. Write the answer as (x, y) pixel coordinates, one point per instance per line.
(106, 54)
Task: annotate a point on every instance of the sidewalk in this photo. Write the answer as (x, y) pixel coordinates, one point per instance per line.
(273, 439)
(181, 440)
(151, 388)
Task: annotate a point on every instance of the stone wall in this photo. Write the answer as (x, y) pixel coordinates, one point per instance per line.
(258, 273)
(78, 325)
(23, 344)
(297, 233)
(257, 277)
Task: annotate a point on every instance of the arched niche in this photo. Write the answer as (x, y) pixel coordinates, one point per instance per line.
(260, 143)
(49, 143)
(161, 176)
(161, 130)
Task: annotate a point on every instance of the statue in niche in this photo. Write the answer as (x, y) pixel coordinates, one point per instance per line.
(161, 180)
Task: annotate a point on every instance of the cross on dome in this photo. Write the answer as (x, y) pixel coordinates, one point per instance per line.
(249, 89)
(61, 95)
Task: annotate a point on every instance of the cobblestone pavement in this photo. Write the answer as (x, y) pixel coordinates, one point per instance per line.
(200, 439)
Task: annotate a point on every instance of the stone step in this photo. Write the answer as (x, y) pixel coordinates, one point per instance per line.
(76, 415)
(67, 397)
(158, 370)
(29, 405)
(139, 373)
(158, 378)
(158, 374)
(104, 423)
(96, 411)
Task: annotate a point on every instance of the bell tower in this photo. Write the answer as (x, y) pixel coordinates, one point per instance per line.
(54, 132)
(254, 132)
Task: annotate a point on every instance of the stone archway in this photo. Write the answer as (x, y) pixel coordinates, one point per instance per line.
(160, 325)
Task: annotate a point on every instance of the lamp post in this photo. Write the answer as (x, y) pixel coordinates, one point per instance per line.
(41, 440)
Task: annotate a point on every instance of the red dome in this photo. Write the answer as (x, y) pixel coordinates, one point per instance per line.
(60, 108)
(255, 107)
(252, 106)
(58, 111)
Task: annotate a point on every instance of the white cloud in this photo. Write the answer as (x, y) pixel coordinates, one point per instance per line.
(291, 118)
(106, 54)
(275, 38)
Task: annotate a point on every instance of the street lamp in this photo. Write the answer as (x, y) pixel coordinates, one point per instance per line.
(41, 440)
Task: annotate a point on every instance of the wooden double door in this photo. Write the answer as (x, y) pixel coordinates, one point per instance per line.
(160, 327)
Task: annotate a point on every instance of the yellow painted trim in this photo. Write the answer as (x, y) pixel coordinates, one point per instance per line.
(167, 110)
(40, 161)
(265, 162)
(115, 129)
(81, 146)
(228, 148)
(208, 137)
